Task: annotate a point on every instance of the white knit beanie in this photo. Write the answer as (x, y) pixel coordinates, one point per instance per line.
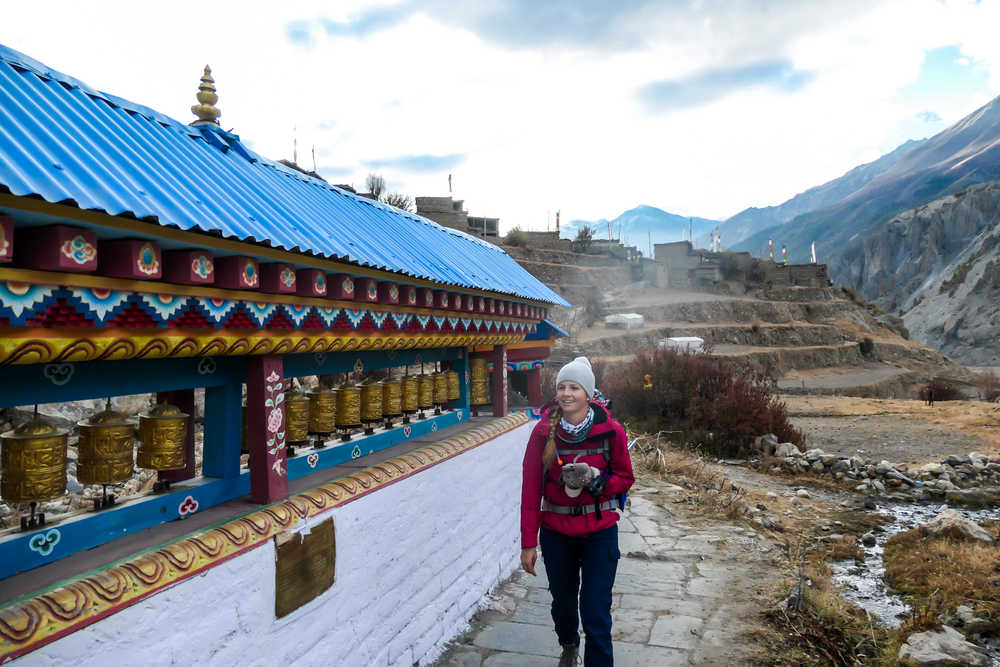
(580, 372)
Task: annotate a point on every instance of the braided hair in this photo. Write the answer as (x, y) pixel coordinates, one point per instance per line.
(549, 453)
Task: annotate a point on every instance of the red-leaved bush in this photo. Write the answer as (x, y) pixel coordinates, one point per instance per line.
(712, 403)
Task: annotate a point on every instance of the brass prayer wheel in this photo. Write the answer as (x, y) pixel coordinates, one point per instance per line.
(392, 398)
(296, 417)
(454, 392)
(425, 394)
(348, 406)
(33, 462)
(440, 388)
(410, 394)
(105, 448)
(371, 401)
(479, 386)
(322, 410)
(162, 432)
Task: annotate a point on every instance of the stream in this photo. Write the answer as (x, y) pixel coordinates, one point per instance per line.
(865, 586)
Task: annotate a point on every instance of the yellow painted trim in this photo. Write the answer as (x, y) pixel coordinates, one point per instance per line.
(31, 623)
(521, 345)
(204, 240)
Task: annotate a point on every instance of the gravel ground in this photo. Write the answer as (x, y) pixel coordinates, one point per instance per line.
(893, 438)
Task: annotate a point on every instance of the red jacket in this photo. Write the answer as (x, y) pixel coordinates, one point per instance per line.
(620, 479)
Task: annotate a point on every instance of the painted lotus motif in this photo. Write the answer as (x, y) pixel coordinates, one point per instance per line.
(250, 277)
(274, 420)
(319, 284)
(411, 296)
(372, 292)
(202, 266)
(288, 277)
(4, 243)
(393, 292)
(148, 261)
(79, 250)
(348, 286)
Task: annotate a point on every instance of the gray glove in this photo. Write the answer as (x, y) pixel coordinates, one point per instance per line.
(575, 476)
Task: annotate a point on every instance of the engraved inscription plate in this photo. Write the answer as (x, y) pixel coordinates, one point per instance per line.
(304, 568)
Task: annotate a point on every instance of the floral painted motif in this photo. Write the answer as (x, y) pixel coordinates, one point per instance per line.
(288, 277)
(250, 277)
(275, 419)
(188, 506)
(202, 266)
(312, 460)
(372, 292)
(393, 292)
(148, 262)
(4, 244)
(79, 250)
(429, 299)
(319, 284)
(411, 296)
(44, 543)
(348, 286)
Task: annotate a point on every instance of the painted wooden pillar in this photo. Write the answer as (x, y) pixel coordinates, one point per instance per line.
(223, 428)
(535, 387)
(183, 399)
(266, 429)
(500, 381)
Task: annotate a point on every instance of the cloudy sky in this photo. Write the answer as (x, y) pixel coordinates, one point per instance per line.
(702, 107)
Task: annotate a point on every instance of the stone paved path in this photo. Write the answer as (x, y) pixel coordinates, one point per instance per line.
(683, 589)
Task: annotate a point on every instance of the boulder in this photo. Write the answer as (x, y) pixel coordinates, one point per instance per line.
(884, 467)
(941, 647)
(814, 454)
(932, 468)
(979, 460)
(950, 523)
(841, 465)
(766, 443)
(817, 466)
(786, 449)
(957, 460)
(802, 493)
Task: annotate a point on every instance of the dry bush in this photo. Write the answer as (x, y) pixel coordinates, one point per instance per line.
(989, 386)
(941, 573)
(941, 390)
(712, 403)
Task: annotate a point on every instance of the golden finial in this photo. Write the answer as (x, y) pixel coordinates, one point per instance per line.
(206, 110)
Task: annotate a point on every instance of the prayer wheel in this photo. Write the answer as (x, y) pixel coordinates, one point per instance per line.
(411, 394)
(33, 463)
(322, 410)
(371, 404)
(425, 393)
(162, 432)
(392, 398)
(296, 417)
(105, 448)
(348, 407)
(454, 391)
(440, 388)
(479, 385)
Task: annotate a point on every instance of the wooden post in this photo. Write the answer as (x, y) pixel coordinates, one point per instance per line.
(535, 387)
(266, 429)
(500, 408)
(183, 399)
(223, 428)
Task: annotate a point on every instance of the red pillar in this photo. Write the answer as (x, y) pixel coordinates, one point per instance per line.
(535, 387)
(183, 399)
(266, 429)
(500, 408)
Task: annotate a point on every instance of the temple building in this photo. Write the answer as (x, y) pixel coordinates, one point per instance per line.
(325, 470)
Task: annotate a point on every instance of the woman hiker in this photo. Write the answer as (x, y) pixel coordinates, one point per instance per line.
(575, 465)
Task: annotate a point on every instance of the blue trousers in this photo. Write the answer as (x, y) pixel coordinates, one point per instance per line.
(593, 561)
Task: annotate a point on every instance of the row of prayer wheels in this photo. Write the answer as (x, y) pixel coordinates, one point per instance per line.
(372, 402)
(479, 382)
(33, 457)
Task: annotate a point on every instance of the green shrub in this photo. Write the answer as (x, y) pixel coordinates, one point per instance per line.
(516, 237)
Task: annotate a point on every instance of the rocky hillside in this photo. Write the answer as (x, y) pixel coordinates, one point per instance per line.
(963, 155)
(939, 265)
(754, 219)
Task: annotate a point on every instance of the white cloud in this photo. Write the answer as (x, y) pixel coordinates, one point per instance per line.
(542, 120)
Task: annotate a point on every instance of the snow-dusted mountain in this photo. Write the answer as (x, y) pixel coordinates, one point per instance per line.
(641, 225)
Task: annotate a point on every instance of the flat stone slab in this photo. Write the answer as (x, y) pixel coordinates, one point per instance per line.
(629, 542)
(519, 660)
(533, 612)
(676, 631)
(464, 658)
(519, 638)
(631, 625)
(640, 655)
(708, 588)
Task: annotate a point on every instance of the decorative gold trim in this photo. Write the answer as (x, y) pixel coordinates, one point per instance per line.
(31, 623)
(204, 240)
(42, 346)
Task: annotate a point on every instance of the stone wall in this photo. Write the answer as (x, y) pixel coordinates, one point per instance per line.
(444, 211)
(413, 562)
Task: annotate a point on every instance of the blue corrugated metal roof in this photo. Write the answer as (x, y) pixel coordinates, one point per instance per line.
(64, 141)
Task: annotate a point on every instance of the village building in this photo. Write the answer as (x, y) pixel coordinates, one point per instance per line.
(451, 213)
(359, 523)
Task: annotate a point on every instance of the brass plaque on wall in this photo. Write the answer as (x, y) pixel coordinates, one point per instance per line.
(305, 567)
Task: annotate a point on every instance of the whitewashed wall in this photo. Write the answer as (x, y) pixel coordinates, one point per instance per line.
(414, 561)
